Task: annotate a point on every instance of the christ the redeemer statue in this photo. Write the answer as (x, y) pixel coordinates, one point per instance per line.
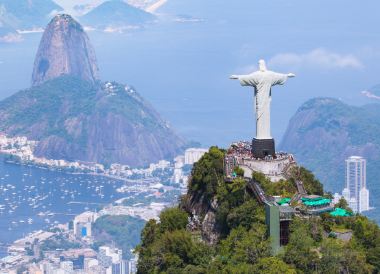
(262, 81)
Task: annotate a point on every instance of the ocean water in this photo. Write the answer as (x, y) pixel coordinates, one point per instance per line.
(182, 67)
(33, 198)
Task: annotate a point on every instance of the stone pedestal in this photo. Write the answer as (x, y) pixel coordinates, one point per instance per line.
(263, 147)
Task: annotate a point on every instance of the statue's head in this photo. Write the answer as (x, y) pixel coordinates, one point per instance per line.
(262, 65)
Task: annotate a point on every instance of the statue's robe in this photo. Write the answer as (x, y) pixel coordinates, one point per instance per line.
(263, 81)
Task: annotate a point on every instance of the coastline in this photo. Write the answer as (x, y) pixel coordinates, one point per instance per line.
(62, 170)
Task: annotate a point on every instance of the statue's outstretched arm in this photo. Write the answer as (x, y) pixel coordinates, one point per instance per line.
(234, 77)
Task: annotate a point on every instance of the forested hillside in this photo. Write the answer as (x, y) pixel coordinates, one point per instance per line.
(219, 227)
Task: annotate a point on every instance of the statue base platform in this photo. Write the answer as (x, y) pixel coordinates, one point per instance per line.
(262, 148)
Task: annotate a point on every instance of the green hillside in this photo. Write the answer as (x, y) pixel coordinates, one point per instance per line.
(75, 120)
(325, 131)
(122, 230)
(236, 241)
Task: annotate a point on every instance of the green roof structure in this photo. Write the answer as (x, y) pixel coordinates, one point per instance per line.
(284, 201)
(340, 212)
(317, 201)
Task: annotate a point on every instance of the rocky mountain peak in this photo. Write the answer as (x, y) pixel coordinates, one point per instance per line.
(64, 49)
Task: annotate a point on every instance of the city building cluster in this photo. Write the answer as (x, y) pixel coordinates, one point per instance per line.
(30, 253)
(145, 212)
(108, 260)
(21, 150)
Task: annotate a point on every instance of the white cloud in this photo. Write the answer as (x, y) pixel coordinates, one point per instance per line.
(11, 38)
(370, 95)
(320, 58)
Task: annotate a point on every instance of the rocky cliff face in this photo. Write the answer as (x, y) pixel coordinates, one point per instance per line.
(64, 50)
(205, 220)
(76, 117)
(75, 120)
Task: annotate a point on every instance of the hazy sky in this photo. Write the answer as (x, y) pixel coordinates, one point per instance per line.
(181, 64)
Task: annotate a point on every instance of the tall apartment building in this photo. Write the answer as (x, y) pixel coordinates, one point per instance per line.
(355, 191)
(192, 155)
(112, 260)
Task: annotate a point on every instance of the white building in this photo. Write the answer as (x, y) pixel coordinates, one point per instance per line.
(346, 194)
(163, 164)
(89, 263)
(131, 266)
(355, 191)
(336, 198)
(178, 165)
(83, 224)
(111, 259)
(67, 266)
(193, 155)
(364, 200)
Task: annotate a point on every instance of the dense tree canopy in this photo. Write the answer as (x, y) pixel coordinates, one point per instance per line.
(122, 230)
(207, 173)
(168, 246)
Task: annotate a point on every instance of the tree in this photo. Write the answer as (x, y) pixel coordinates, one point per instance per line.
(207, 173)
(285, 188)
(149, 233)
(237, 184)
(373, 257)
(311, 184)
(367, 233)
(343, 204)
(239, 171)
(175, 250)
(241, 268)
(332, 256)
(315, 228)
(300, 251)
(123, 230)
(243, 246)
(355, 261)
(272, 265)
(192, 269)
(246, 215)
(173, 219)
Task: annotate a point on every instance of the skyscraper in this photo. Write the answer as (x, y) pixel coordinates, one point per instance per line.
(355, 191)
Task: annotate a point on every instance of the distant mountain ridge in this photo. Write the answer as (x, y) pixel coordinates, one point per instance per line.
(8, 33)
(76, 120)
(373, 93)
(115, 14)
(79, 8)
(28, 14)
(75, 116)
(325, 131)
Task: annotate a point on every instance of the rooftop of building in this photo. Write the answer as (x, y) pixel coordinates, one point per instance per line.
(87, 216)
(315, 201)
(355, 158)
(340, 212)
